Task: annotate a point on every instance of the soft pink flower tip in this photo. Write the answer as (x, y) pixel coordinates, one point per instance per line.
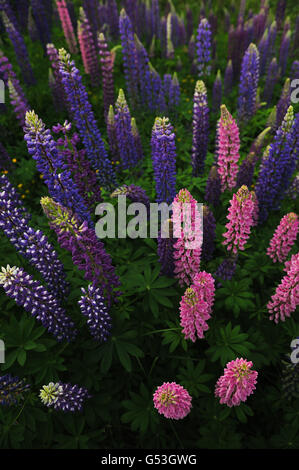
(172, 400)
(237, 383)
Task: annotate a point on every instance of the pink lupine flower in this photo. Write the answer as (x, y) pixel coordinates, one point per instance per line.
(241, 212)
(196, 306)
(286, 297)
(67, 26)
(172, 400)
(237, 383)
(228, 150)
(187, 249)
(283, 238)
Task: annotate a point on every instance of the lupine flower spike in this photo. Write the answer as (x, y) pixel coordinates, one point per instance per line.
(204, 46)
(200, 128)
(12, 390)
(228, 151)
(283, 238)
(64, 397)
(172, 400)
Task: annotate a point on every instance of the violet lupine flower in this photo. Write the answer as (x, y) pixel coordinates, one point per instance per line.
(111, 131)
(112, 17)
(246, 170)
(164, 160)
(107, 63)
(7, 73)
(20, 106)
(283, 104)
(174, 93)
(142, 71)
(42, 22)
(134, 193)
(213, 187)
(228, 78)
(228, 151)
(200, 128)
(187, 249)
(191, 48)
(155, 91)
(196, 306)
(5, 6)
(12, 390)
(204, 46)
(92, 306)
(284, 52)
(64, 397)
(129, 56)
(280, 12)
(83, 117)
(88, 252)
(126, 143)
(20, 50)
(226, 270)
(271, 80)
(240, 220)
(84, 177)
(278, 165)
(248, 84)
(165, 248)
(286, 297)
(284, 238)
(238, 43)
(67, 26)
(172, 400)
(217, 93)
(31, 244)
(237, 383)
(50, 163)
(209, 233)
(35, 299)
(88, 49)
(54, 59)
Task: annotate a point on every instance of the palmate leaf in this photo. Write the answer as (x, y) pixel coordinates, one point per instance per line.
(192, 377)
(173, 337)
(140, 411)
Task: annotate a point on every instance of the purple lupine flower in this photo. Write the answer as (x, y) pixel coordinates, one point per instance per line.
(271, 80)
(245, 173)
(280, 12)
(54, 59)
(228, 78)
(93, 307)
(84, 177)
(226, 270)
(283, 104)
(64, 397)
(259, 22)
(83, 117)
(42, 21)
(165, 248)
(248, 84)
(12, 390)
(191, 47)
(164, 160)
(51, 165)
(20, 50)
(209, 233)
(278, 165)
(129, 56)
(155, 90)
(88, 49)
(284, 52)
(142, 68)
(107, 63)
(174, 93)
(5, 6)
(189, 22)
(35, 299)
(264, 52)
(200, 128)
(22, 14)
(126, 144)
(91, 13)
(31, 244)
(238, 42)
(88, 252)
(217, 93)
(134, 193)
(112, 16)
(20, 106)
(203, 45)
(111, 131)
(213, 187)
(155, 12)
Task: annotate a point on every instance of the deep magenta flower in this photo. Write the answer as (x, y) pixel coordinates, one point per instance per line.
(172, 400)
(196, 306)
(286, 297)
(240, 219)
(228, 151)
(237, 383)
(283, 238)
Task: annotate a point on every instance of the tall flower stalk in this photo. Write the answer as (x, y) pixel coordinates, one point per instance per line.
(200, 128)
(228, 151)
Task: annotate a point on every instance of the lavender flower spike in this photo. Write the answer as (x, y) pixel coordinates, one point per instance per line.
(200, 128)
(64, 397)
(11, 390)
(248, 84)
(204, 46)
(92, 306)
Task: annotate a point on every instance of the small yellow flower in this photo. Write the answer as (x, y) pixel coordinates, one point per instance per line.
(189, 111)
(41, 176)
(179, 139)
(187, 99)
(184, 80)
(27, 191)
(5, 172)
(20, 185)
(23, 196)
(14, 160)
